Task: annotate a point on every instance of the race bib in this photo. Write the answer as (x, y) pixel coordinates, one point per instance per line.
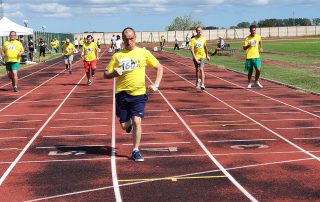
(199, 45)
(11, 47)
(127, 65)
(89, 50)
(252, 42)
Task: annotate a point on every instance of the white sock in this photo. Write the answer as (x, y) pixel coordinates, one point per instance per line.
(135, 149)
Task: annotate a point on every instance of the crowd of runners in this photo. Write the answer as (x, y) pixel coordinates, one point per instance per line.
(128, 64)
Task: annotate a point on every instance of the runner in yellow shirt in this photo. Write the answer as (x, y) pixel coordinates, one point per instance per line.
(90, 55)
(253, 45)
(68, 49)
(99, 44)
(12, 51)
(129, 66)
(199, 53)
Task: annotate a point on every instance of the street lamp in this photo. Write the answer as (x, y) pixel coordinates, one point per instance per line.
(25, 22)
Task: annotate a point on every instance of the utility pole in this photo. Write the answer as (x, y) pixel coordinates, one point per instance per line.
(1, 10)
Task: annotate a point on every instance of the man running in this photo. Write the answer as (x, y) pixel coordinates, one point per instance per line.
(253, 46)
(129, 66)
(199, 53)
(90, 55)
(68, 49)
(12, 51)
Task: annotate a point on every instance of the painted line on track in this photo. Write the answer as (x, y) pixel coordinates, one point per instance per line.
(16, 115)
(269, 113)
(26, 121)
(82, 119)
(298, 128)
(173, 179)
(306, 138)
(12, 129)
(240, 121)
(196, 109)
(204, 148)
(249, 140)
(9, 138)
(78, 135)
(195, 115)
(159, 143)
(14, 163)
(76, 113)
(277, 120)
(231, 130)
(61, 127)
(253, 120)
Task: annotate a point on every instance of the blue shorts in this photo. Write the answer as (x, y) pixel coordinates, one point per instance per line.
(128, 106)
(201, 65)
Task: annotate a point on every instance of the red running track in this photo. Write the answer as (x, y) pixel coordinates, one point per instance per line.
(60, 140)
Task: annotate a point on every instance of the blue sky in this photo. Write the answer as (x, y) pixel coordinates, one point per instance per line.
(149, 15)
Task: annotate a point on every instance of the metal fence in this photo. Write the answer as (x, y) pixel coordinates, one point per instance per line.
(267, 32)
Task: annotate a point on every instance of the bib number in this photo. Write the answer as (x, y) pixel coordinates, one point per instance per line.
(127, 65)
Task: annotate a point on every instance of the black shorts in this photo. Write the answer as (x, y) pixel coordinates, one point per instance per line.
(128, 106)
(42, 52)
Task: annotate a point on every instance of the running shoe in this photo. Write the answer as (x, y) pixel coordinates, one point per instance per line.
(259, 84)
(249, 85)
(89, 83)
(198, 82)
(136, 156)
(203, 87)
(15, 89)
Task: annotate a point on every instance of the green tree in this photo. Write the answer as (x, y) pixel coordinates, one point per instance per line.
(316, 21)
(243, 25)
(184, 23)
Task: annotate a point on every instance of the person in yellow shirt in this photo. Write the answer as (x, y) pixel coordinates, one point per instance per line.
(129, 67)
(12, 51)
(253, 45)
(99, 44)
(162, 42)
(68, 49)
(199, 53)
(90, 55)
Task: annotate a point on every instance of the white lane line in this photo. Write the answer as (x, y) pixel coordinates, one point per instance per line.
(90, 97)
(146, 117)
(75, 113)
(84, 119)
(204, 148)
(115, 181)
(30, 91)
(306, 138)
(56, 127)
(71, 146)
(158, 124)
(181, 92)
(9, 138)
(302, 106)
(279, 120)
(26, 76)
(196, 109)
(14, 163)
(268, 113)
(37, 101)
(253, 120)
(250, 140)
(150, 133)
(240, 121)
(268, 107)
(297, 128)
(82, 135)
(10, 129)
(157, 110)
(196, 115)
(159, 143)
(9, 149)
(230, 130)
(177, 176)
(17, 115)
(24, 121)
(316, 111)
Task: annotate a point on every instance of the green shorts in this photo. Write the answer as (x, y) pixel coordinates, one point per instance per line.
(11, 66)
(253, 62)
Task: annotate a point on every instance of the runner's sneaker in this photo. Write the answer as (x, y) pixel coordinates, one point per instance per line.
(249, 85)
(136, 156)
(198, 82)
(259, 84)
(15, 89)
(203, 87)
(89, 83)
(129, 129)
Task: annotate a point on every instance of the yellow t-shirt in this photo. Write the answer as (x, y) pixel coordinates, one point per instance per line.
(68, 49)
(81, 42)
(99, 42)
(199, 44)
(53, 44)
(89, 51)
(133, 64)
(11, 50)
(253, 51)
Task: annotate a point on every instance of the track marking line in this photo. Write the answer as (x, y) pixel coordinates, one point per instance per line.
(190, 174)
(25, 121)
(11, 129)
(84, 119)
(157, 124)
(204, 148)
(153, 133)
(277, 120)
(9, 138)
(306, 138)
(14, 163)
(224, 125)
(230, 130)
(71, 146)
(196, 109)
(157, 110)
(268, 113)
(8, 149)
(73, 113)
(295, 128)
(146, 117)
(195, 115)
(83, 135)
(59, 127)
(302, 106)
(17, 115)
(173, 179)
(159, 143)
(240, 121)
(253, 120)
(268, 107)
(249, 140)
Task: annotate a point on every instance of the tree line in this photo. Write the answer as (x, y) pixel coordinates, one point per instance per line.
(189, 23)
